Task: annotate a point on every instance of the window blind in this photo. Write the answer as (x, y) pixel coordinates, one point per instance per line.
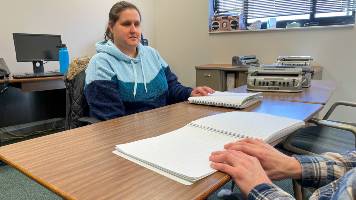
(332, 6)
(228, 7)
(275, 8)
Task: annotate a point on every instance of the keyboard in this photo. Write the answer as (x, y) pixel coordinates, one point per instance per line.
(37, 75)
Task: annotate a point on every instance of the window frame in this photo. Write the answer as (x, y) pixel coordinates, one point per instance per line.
(311, 22)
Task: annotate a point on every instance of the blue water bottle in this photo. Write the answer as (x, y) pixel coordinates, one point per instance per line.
(63, 59)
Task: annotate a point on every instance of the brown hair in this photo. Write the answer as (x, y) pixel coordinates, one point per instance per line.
(114, 15)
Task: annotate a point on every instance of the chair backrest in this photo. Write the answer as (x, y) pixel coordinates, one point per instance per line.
(76, 105)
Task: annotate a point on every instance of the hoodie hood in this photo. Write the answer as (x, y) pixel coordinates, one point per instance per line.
(110, 48)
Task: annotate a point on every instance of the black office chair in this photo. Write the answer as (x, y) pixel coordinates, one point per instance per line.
(324, 135)
(77, 110)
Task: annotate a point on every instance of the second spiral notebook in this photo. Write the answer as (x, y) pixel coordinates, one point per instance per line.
(228, 99)
(183, 154)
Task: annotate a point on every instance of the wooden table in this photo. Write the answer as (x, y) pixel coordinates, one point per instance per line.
(36, 84)
(318, 93)
(79, 163)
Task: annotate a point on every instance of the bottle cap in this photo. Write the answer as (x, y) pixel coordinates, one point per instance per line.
(62, 46)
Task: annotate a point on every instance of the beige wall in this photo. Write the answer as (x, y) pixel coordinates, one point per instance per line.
(80, 22)
(180, 33)
(183, 40)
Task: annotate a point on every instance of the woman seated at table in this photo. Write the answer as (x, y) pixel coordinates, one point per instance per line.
(125, 77)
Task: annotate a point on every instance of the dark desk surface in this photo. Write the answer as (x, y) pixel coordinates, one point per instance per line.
(36, 84)
(22, 80)
(79, 163)
(319, 92)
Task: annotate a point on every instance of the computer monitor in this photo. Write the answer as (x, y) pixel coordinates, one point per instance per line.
(36, 48)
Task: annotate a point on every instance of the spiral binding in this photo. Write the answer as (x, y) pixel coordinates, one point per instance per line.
(224, 132)
(215, 103)
(248, 101)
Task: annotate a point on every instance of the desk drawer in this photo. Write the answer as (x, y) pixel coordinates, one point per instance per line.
(211, 78)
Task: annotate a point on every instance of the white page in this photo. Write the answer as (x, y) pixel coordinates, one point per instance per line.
(185, 151)
(227, 99)
(175, 178)
(251, 124)
(218, 93)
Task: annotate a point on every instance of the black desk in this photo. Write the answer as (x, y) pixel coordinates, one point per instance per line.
(36, 84)
(31, 100)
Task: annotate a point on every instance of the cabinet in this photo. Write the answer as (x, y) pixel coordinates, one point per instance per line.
(220, 76)
(223, 77)
(211, 77)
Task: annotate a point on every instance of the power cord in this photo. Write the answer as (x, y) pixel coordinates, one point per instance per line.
(4, 89)
(1, 135)
(5, 85)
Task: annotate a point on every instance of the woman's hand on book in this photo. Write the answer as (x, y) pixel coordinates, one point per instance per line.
(276, 164)
(246, 170)
(201, 91)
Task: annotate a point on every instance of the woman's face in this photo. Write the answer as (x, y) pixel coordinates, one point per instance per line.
(127, 30)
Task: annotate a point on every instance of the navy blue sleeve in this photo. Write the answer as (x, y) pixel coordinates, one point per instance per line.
(103, 99)
(177, 92)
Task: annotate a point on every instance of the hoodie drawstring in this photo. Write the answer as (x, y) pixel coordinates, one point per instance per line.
(135, 77)
(143, 74)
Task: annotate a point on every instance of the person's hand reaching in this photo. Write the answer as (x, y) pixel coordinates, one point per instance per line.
(201, 91)
(246, 170)
(276, 164)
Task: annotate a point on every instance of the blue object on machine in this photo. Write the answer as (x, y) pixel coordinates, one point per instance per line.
(271, 23)
(242, 22)
(63, 59)
(144, 41)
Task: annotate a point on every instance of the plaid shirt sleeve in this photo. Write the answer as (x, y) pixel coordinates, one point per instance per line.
(343, 188)
(332, 172)
(320, 170)
(266, 191)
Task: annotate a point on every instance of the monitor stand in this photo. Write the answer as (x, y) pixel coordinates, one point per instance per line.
(38, 66)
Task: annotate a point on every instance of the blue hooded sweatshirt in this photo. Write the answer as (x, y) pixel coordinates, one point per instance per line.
(118, 85)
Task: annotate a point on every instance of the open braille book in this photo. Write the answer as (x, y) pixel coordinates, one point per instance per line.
(183, 154)
(228, 99)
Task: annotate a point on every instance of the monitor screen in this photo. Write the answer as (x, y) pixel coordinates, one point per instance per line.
(36, 47)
